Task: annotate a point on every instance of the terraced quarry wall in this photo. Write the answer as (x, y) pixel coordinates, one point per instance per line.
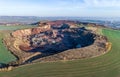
(106, 65)
(54, 42)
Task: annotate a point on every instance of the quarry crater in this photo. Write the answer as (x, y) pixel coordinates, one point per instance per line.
(55, 40)
(58, 40)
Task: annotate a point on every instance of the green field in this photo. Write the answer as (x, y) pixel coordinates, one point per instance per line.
(3, 27)
(107, 65)
(5, 55)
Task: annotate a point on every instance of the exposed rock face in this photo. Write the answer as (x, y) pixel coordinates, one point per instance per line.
(22, 33)
(59, 22)
(27, 32)
(55, 38)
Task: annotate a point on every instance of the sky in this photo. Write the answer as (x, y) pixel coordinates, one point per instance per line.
(46, 8)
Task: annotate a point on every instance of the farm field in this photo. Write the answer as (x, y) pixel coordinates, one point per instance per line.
(3, 27)
(5, 55)
(107, 65)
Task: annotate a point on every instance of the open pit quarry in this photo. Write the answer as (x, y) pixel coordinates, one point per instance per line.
(55, 40)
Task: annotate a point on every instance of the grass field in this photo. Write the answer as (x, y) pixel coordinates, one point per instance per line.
(107, 65)
(3, 27)
(5, 55)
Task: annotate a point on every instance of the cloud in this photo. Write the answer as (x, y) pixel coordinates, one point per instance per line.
(102, 3)
(60, 7)
(81, 4)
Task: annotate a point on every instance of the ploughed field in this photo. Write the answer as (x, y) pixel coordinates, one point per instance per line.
(107, 65)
